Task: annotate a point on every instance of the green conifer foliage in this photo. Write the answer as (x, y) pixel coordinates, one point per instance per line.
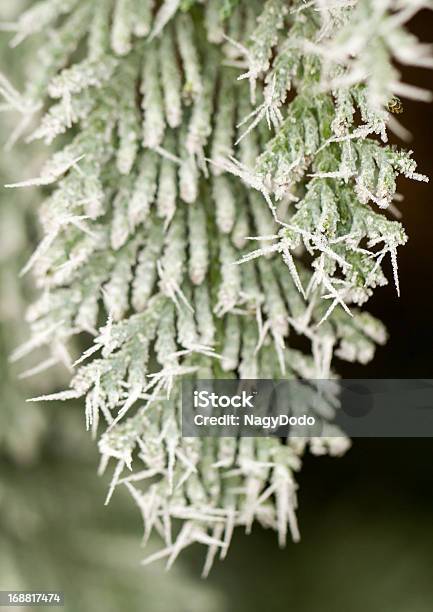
(221, 179)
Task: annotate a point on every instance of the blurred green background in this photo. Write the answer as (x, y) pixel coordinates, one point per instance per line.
(366, 519)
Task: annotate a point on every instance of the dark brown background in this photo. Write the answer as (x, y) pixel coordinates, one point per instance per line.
(409, 351)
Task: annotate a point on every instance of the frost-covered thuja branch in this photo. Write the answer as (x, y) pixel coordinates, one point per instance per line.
(222, 180)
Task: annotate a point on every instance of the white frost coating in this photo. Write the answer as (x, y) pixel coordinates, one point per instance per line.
(152, 206)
